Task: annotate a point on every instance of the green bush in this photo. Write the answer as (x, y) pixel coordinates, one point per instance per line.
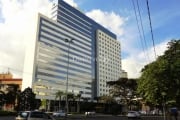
(7, 113)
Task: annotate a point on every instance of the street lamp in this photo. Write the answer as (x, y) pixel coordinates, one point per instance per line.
(164, 103)
(69, 41)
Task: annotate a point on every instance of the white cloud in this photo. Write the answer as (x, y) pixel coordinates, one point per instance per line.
(110, 20)
(72, 3)
(20, 26)
(132, 67)
(128, 35)
(135, 62)
(17, 30)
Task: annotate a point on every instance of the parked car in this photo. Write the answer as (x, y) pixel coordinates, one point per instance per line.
(143, 112)
(60, 113)
(90, 113)
(133, 114)
(33, 115)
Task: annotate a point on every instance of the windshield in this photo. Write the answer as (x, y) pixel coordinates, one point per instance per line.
(23, 114)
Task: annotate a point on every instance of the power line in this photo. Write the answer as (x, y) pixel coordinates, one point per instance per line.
(142, 27)
(14, 69)
(151, 28)
(141, 38)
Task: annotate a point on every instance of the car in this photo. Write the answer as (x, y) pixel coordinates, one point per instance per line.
(90, 113)
(33, 115)
(133, 114)
(60, 113)
(143, 112)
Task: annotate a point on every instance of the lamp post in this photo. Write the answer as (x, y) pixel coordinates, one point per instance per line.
(164, 103)
(69, 41)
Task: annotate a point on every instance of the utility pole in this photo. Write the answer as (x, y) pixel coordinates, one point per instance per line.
(69, 41)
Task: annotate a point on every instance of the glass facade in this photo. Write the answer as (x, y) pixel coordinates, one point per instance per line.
(51, 54)
(78, 21)
(51, 60)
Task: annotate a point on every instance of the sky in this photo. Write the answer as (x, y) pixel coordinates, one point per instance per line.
(18, 25)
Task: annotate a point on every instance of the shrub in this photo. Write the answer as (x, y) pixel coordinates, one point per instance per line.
(7, 113)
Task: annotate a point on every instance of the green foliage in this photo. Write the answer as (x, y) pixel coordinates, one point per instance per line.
(78, 96)
(10, 96)
(2, 99)
(43, 103)
(27, 100)
(7, 113)
(107, 99)
(123, 88)
(59, 94)
(160, 79)
(70, 96)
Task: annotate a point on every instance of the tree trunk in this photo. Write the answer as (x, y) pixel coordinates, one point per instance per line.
(59, 103)
(78, 106)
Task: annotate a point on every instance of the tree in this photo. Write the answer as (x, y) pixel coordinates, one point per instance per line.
(78, 96)
(59, 95)
(108, 104)
(70, 96)
(97, 98)
(160, 80)
(28, 101)
(151, 87)
(172, 56)
(2, 99)
(11, 95)
(43, 104)
(107, 99)
(122, 88)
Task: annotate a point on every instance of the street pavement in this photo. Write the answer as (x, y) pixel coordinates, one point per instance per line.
(100, 117)
(110, 117)
(7, 118)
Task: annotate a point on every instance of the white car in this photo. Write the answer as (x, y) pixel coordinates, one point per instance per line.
(60, 113)
(33, 115)
(90, 113)
(133, 114)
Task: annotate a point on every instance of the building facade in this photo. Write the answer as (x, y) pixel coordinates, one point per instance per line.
(124, 74)
(69, 46)
(7, 81)
(8, 84)
(109, 61)
(54, 55)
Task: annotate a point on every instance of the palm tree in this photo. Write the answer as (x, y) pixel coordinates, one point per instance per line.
(78, 96)
(58, 94)
(70, 96)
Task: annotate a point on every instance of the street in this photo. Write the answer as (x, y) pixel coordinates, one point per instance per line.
(100, 117)
(7, 118)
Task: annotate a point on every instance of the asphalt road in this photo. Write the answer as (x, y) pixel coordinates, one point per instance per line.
(7, 118)
(101, 117)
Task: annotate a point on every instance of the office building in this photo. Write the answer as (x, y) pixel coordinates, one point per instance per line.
(124, 74)
(109, 62)
(71, 46)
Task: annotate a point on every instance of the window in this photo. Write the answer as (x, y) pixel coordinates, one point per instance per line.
(36, 115)
(23, 114)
